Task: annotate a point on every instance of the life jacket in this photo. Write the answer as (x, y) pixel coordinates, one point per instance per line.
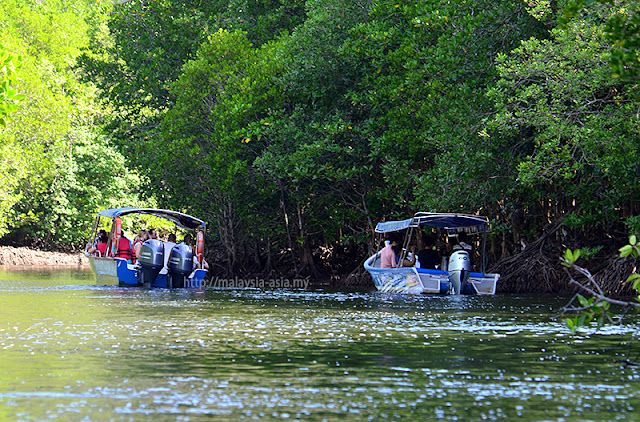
(124, 250)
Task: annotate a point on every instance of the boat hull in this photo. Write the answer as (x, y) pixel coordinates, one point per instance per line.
(117, 272)
(411, 280)
(105, 270)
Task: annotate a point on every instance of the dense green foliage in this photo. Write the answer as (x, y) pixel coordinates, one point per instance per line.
(9, 97)
(573, 130)
(296, 126)
(51, 150)
(622, 31)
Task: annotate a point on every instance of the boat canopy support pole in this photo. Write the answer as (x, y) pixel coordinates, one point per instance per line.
(379, 240)
(405, 246)
(93, 233)
(112, 233)
(483, 258)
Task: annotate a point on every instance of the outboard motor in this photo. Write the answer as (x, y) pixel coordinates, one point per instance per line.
(459, 270)
(151, 261)
(180, 265)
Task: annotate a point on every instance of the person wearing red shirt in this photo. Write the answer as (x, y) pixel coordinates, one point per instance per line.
(101, 246)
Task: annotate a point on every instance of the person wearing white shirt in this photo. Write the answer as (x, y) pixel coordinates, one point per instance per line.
(168, 245)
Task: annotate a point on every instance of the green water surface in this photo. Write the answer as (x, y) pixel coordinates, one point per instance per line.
(73, 351)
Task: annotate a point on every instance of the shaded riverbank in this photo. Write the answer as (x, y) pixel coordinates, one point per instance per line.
(536, 269)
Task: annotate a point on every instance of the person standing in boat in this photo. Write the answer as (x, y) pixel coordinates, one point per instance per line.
(390, 254)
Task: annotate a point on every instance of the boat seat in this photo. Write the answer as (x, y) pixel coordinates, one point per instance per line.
(430, 271)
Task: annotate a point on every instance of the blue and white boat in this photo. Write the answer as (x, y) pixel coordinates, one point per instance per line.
(151, 269)
(455, 274)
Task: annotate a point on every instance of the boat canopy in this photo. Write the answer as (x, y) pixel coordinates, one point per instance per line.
(453, 223)
(183, 220)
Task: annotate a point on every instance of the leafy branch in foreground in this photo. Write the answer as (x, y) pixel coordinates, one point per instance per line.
(593, 304)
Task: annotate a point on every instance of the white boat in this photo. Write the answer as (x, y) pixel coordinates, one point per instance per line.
(455, 275)
(150, 270)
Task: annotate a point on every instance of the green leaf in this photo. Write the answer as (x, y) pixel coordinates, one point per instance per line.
(625, 251)
(583, 300)
(635, 280)
(570, 325)
(568, 256)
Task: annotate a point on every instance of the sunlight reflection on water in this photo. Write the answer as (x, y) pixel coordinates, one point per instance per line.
(70, 351)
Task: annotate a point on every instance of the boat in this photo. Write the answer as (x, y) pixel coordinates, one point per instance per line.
(455, 274)
(150, 269)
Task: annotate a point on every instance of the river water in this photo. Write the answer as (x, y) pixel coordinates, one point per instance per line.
(73, 351)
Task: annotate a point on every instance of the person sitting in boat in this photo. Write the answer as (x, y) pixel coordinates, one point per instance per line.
(188, 240)
(152, 234)
(100, 248)
(196, 263)
(428, 257)
(100, 233)
(168, 245)
(124, 249)
(142, 236)
(390, 254)
(462, 244)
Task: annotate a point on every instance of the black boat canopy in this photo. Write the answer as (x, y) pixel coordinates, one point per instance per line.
(183, 220)
(453, 223)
